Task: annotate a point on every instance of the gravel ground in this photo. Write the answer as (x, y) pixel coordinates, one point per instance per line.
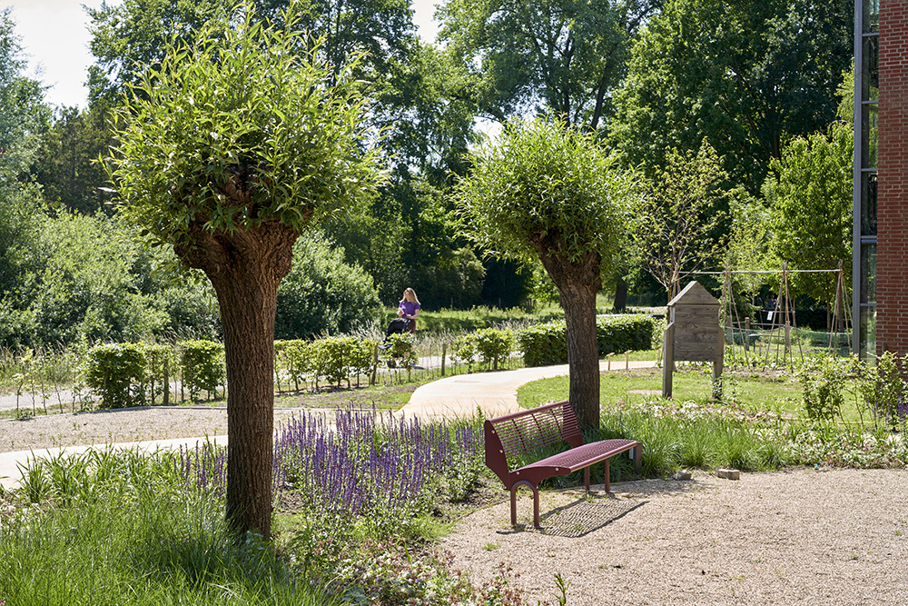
(125, 425)
(801, 536)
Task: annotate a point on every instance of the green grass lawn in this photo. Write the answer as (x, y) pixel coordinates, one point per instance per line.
(754, 390)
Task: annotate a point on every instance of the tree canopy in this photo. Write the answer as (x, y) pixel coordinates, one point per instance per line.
(744, 75)
(564, 56)
(547, 191)
(812, 208)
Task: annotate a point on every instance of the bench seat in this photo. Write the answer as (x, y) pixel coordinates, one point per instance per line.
(529, 430)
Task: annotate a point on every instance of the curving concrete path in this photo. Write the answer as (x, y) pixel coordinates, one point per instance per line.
(495, 393)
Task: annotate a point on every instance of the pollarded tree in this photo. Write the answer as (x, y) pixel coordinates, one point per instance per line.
(229, 149)
(547, 191)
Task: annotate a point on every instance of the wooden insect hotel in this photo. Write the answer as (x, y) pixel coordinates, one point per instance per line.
(693, 333)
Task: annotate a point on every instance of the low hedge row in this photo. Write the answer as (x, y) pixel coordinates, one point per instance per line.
(546, 344)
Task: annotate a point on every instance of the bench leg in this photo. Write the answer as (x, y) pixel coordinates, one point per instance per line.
(514, 502)
(637, 453)
(605, 482)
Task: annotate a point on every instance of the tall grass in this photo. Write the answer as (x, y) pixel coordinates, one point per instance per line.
(118, 528)
(673, 441)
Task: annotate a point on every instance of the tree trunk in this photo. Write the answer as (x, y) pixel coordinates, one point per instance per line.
(578, 284)
(245, 267)
(620, 295)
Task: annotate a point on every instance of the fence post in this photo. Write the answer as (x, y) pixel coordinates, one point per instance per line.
(374, 364)
(444, 350)
(746, 333)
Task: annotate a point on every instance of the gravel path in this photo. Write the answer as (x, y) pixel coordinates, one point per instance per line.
(108, 426)
(823, 538)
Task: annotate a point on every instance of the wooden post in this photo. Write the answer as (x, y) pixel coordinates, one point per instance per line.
(374, 365)
(609, 362)
(787, 337)
(746, 333)
(165, 397)
(668, 361)
(627, 360)
(444, 350)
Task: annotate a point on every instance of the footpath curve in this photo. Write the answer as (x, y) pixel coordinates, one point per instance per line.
(495, 393)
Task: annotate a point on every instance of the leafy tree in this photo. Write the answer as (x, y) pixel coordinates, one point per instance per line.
(681, 223)
(546, 191)
(812, 208)
(228, 150)
(564, 56)
(744, 75)
(67, 166)
(322, 294)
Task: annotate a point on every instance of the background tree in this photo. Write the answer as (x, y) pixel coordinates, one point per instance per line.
(228, 151)
(67, 165)
(547, 191)
(811, 200)
(681, 224)
(322, 294)
(744, 75)
(564, 56)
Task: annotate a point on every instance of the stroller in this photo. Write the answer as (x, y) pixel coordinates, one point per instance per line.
(397, 326)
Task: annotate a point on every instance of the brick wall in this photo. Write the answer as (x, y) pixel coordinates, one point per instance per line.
(892, 203)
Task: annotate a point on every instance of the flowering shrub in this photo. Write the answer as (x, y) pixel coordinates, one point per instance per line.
(383, 469)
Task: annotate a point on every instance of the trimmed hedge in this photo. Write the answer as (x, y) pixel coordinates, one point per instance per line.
(116, 372)
(546, 344)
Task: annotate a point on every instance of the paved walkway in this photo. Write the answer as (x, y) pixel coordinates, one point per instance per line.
(495, 393)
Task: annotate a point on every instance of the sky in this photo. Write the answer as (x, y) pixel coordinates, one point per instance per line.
(54, 36)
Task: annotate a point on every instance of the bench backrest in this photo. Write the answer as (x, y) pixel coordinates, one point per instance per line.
(528, 430)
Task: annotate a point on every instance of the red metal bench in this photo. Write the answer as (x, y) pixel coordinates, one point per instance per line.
(529, 430)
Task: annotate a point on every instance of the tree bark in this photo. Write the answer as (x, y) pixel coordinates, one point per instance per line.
(578, 284)
(245, 267)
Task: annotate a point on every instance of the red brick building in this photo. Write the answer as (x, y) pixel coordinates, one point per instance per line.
(891, 288)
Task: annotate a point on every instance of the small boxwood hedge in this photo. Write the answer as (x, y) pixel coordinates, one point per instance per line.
(546, 344)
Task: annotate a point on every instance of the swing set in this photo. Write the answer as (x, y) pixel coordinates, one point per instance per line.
(759, 341)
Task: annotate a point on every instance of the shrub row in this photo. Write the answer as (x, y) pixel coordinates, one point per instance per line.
(546, 344)
(335, 359)
(127, 374)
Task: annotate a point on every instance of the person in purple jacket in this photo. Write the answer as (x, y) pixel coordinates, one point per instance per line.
(409, 308)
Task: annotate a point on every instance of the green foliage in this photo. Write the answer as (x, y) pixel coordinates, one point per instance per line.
(824, 380)
(293, 361)
(884, 389)
(244, 126)
(129, 538)
(400, 352)
(745, 75)
(546, 344)
(544, 190)
(322, 293)
(489, 345)
(811, 200)
(682, 221)
(564, 56)
(67, 165)
(339, 358)
(202, 367)
(116, 372)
